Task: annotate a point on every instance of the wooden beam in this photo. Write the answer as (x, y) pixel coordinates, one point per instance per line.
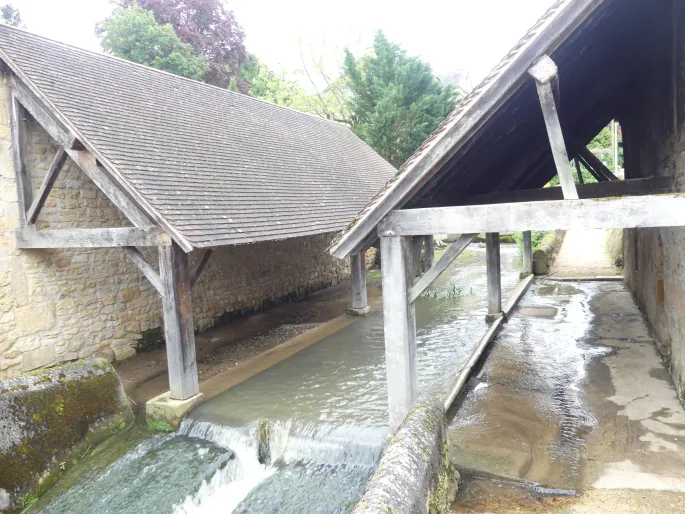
(492, 260)
(91, 238)
(178, 322)
(579, 172)
(527, 253)
(628, 212)
(199, 267)
(544, 71)
(592, 161)
(633, 187)
(46, 186)
(145, 267)
(22, 174)
(416, 248)
(454, 250)
(430, 253)
(400, 345)
(56, 130)
(360, 300)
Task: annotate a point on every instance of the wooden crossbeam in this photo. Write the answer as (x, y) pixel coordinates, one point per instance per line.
(145, 267)
(91, 238)
(454, 250)
(630, 212)
(593, 163)
(46, 186)
(640, 186)
(199, 267)
(544, 71)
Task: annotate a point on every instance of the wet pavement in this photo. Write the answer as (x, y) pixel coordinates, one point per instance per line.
(573, 396)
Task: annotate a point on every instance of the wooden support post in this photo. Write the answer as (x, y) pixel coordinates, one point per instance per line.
(579, 172)
(21, 168)
(178, 322)
(400, 343)
(360, 303)
(544, 71)
(430, 253)
(494, 275)
(416, 249)
(527, 254)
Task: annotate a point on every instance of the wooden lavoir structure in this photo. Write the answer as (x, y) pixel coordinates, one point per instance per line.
(478, 173)
(191, 166)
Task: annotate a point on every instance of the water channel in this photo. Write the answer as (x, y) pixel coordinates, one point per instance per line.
(327, 411)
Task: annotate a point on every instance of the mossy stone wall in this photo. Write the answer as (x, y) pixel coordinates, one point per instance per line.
(51, 417)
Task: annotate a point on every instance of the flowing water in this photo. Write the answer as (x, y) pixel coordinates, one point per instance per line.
(327, 412)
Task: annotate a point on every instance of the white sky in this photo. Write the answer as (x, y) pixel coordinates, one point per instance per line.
(451, 35)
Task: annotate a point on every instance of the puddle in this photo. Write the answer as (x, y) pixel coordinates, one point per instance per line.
(538, 312)
(557, 290)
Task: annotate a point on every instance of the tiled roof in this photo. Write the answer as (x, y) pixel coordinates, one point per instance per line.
(478, 105)
(220, 167)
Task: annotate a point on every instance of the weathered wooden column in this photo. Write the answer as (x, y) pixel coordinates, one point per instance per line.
(492, 257)
(399, 328)
(527, 254)
(430, 252)
(178, 322)
(360, 303)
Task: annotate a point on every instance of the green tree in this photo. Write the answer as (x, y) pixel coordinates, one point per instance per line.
(134, 34)
(272, 87)
(396, 101)
(10, 15)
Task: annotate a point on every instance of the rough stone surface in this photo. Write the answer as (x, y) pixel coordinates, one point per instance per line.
(63, 305)
(46, 418)
(162, 411)
(654, 145)
(415, 474)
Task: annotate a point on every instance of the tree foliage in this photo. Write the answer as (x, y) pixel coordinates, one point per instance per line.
(209, 28)
(134, 34)
(396, 101)
(10, 15)
(272, 87)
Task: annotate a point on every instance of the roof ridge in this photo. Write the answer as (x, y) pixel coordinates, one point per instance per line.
(150, 68)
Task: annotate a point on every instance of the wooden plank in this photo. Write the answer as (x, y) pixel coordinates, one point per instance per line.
(21, 168)
(145, 267)
(492, 261)
(628, 212)
(178, 322)
(400, 354)
(640, 186)
(439, 267)
(544, 71)
(592, 161)
(87, 162)
(199, 267)
(359, 292)
(527, 253)
(91, 238)
(56, 130)
(46, 186)
(455, 134)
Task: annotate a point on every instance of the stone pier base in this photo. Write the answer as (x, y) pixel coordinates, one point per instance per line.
(163, 413)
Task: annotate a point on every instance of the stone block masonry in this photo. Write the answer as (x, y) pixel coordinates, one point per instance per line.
(63, 305)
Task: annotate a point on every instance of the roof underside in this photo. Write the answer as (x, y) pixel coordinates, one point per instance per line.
(510, 151)
(220, 167)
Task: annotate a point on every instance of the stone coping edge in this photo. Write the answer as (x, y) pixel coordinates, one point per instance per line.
(415, 474)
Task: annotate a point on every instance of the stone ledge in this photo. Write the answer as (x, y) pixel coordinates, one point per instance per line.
(163, 413)
(415, 474)
(358, 312)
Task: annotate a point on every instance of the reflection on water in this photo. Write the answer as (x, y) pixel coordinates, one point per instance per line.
(329, 408)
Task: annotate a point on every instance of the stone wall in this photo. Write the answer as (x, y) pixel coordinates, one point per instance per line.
(62, 305)
(654, 145)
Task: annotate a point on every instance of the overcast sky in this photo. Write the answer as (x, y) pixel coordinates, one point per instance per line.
(452, 35)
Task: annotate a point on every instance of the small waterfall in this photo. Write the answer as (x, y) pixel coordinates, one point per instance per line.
(321, 454)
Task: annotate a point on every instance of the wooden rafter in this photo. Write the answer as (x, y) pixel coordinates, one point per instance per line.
(595, 166)
(628, 212)
(91, 238)
(21, 168)
(46, 186)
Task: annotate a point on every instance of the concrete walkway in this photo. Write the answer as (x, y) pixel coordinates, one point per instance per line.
(583, 254)
(573, 397)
